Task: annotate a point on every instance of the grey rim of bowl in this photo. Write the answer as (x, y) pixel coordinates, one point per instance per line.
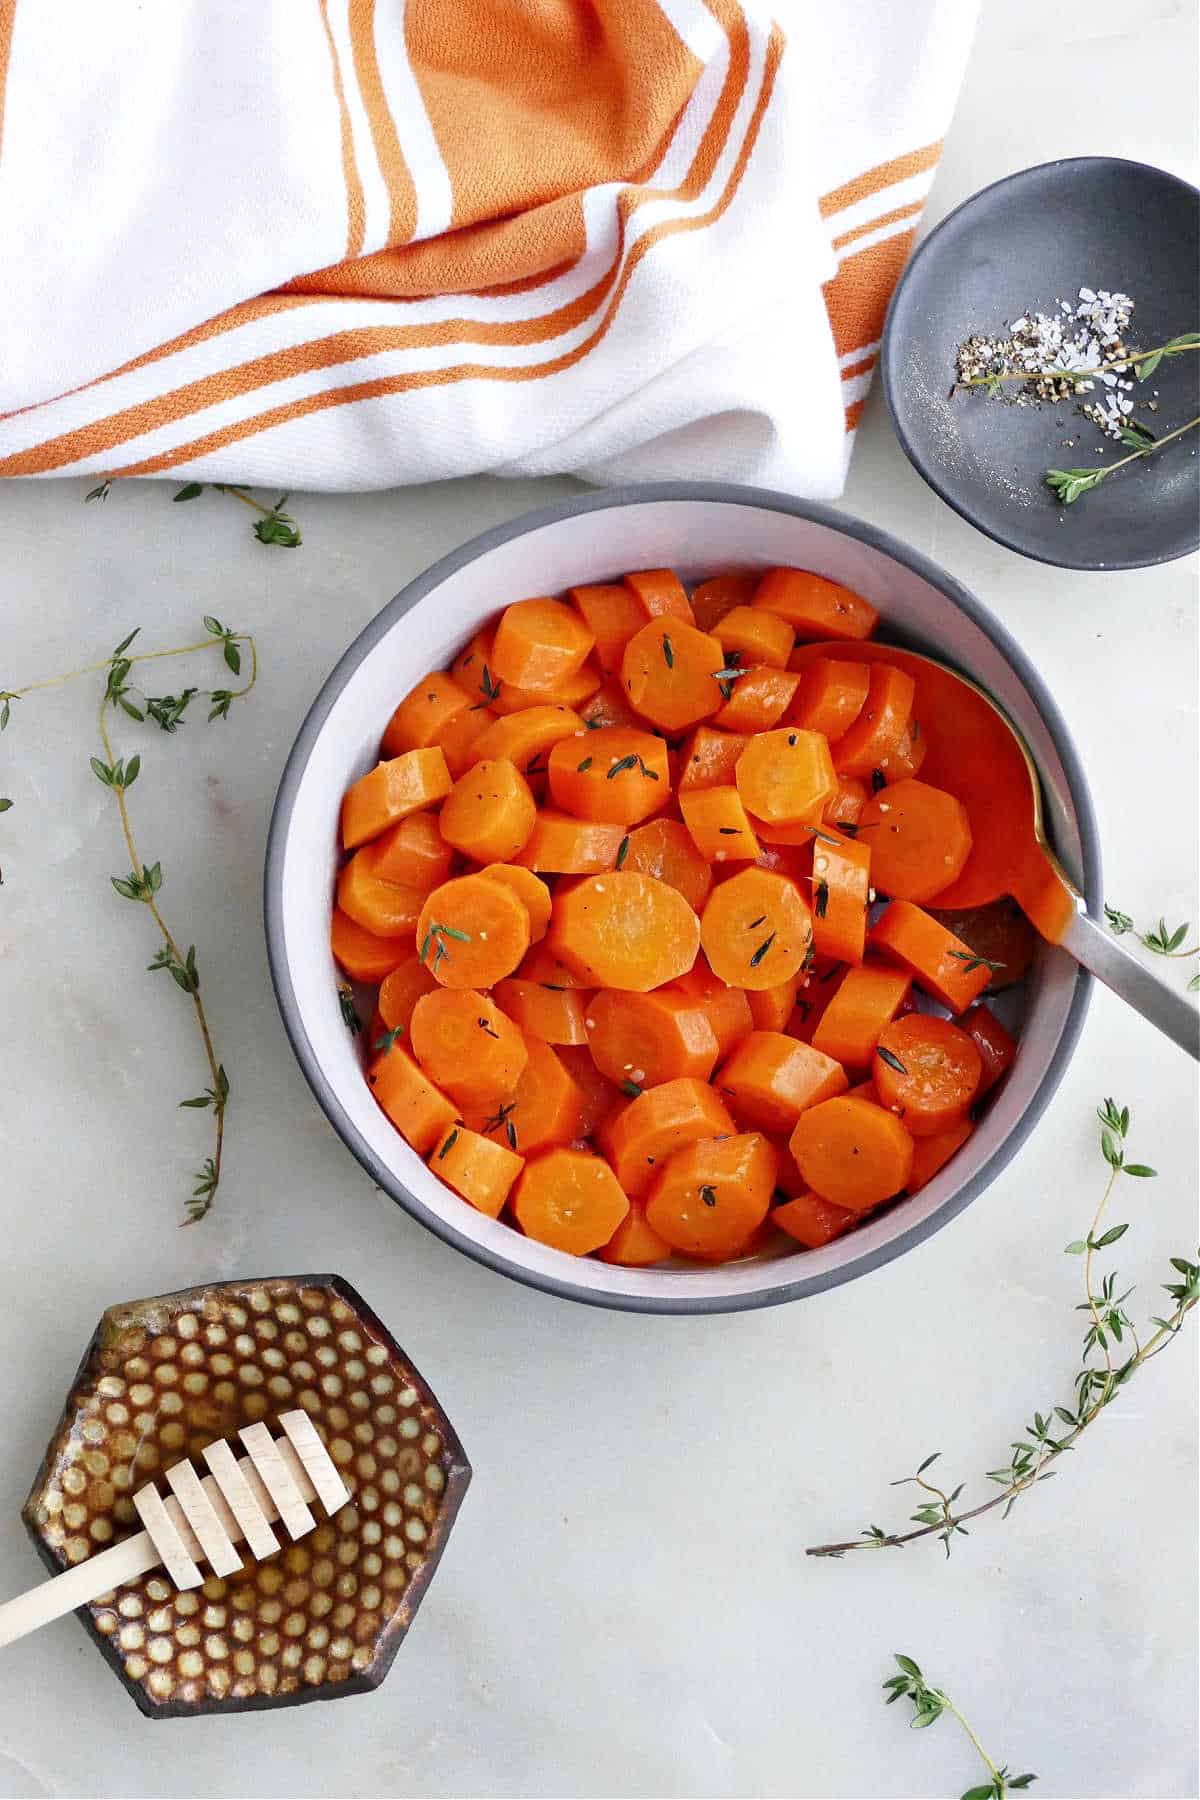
(886, 350)
(726, 494)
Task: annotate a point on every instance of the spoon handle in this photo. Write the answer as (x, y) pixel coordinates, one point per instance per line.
(1096, 948)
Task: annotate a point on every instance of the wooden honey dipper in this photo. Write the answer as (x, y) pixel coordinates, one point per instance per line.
(201, 1520)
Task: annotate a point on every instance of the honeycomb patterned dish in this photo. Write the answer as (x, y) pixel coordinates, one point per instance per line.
(164, 1377)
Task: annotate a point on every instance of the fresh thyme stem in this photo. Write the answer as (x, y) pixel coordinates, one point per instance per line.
(1074, 375)
(929, 1704)
(1068, 484)
(1136, 455)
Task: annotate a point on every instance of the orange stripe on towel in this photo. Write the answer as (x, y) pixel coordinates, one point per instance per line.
(402, 195)
(8, 13)
(355, 209)
(857, 297)
(888, 218)
(883, 175)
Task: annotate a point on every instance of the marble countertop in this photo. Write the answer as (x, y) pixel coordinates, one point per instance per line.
(625, 1607)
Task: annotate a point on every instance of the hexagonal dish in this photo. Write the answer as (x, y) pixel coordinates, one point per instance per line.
(162, 1378)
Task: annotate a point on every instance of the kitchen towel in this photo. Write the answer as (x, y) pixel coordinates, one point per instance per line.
(355, 243)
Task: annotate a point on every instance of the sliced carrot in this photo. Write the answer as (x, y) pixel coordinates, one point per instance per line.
(832, 694)
(640, 1040)
(489, 812)
(817, 986)
(815, 607)
(920, 839)
(771, 1079)
(423, 714)
(785, 775)
(570, 1200)
(533, 894)
(479, 1169)
(420, 1111)
(472, 669)
(664, 848)
(459, 735)
(467, 1045)
(544, 1109)
(999, 933)
(927, 1071)
(852, 1153)
(756, 635)
(543, 965)
(639, 1138)
(713, 600)
(573, 691)
(363, 955)
(772, 1007)
(866, 1002)
(527, 736)
(844, 806)
(609, 705)
(997, 1047)
(635, 1244)
(625, 930)
(400, 990)
(413, 853)
(881, 724)
(842, 874)
(718, 824)
(865, 1090)
(556, 1015)
(561, 845)
(713, 1195)
(612, 613)
(788, 1179)
(382, 907)
(709, 758)
(933, 1153)
(800, 834)
(668, 672)
(660, 594)
(760, 698)
(756, 929)
(612, 774)
(937, 960)
(539, 644)
(472, 931)
(391, 791)
(903, 763)
(599, 1097)
(812, 1221)
(727, 1008)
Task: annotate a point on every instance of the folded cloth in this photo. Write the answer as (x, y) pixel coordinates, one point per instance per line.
(355, 243)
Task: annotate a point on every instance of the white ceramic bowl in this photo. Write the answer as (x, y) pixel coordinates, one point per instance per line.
(698, 529)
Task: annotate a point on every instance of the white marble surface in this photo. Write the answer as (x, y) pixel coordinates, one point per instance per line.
(624, 1608)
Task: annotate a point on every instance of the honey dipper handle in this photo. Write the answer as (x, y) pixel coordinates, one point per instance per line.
(52, 1599)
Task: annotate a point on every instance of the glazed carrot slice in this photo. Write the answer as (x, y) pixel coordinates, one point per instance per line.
(844, 807)
(852, 1153)
(476, 1167)
(543, 965)
(612, 613)
(423, 713)
(472, 670)
(599, 1097)
(539, 644)
(420, 1111)
(867, 1001)
(635, 1244)
(880, 725)
(927, 1071)
(533, 894)
(472, 931)
(920, 839)
(817, 985)
(772, 1007)
(625, 930)
(997, 1047)
(660, 594)
(527, 736)
(771, 1079)
(785, 775)
(902, 763)
(832, 694)
(574, 691)
(651, 1128)
(999, 933)
(756, 929)
(937, 960)
(613, 774)
(400, 990)
(570, 1200)
(759, 699)
(459, 735)
(664, 848)
(709, 758)
(556, 1015)
(489, 812)
(713, 1195)
(715, 599)
(756, 635)
(815, 607)
(544, 1109)
(718, 824)
(609, 705)
(843, 870)
(561, 845)
(391, 791)
(363, 955)
(668, 671)
(413, 853)
(811, 1220)
(726, 1008)
(467, 1045)
(640, 1040)
(382, 907)
(931, 1154)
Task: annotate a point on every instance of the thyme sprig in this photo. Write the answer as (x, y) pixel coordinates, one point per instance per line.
(1162, 939)
(1067, 485)
(273, 526)
(1107, 1363)
(1142, 362)
(929, 1703)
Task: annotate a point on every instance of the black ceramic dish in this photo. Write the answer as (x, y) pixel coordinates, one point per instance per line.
(1025, 243)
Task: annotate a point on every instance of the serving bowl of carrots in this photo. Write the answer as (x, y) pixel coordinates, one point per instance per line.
(632, 835)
